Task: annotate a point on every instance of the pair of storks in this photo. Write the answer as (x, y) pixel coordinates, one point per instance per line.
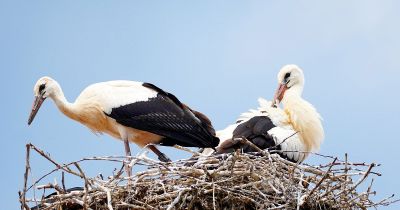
(146, 115)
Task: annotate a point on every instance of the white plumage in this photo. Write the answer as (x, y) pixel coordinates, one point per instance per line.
(116, 93)
(133, 112)
(296, 128)
(284, 134)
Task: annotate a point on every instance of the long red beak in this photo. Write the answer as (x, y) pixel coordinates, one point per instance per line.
(280, 92)
(35, 108)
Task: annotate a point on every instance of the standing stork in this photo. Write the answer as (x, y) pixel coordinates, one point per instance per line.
(292, 132)
(133, 112)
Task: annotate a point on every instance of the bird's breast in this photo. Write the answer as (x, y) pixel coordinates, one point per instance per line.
(100, 123)
(142, 138)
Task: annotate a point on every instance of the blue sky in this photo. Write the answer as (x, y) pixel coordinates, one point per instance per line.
(217, 56)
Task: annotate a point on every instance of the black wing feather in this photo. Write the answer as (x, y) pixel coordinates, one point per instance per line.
(162, 92)
(255, 130)
(166, 116)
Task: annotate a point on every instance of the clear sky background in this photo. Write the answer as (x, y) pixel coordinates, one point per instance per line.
(217, 56)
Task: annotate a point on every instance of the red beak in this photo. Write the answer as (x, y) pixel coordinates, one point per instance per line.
(280, 92)
(35, 108)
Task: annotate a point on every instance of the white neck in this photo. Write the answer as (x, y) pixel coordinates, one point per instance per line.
(63, 105)
(294, 91)
(304, 118)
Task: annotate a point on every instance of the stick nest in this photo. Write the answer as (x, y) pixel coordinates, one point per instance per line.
(230, 181)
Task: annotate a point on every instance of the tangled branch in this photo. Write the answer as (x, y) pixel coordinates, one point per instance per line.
(228, 181)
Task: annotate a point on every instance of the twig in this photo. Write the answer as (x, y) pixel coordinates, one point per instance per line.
(51, 186)
(63, 181)
(108, 192)
(213, 188)
(27, 169)
(86, 189)
(188, 150)
(178, 198)
(283, 141)
(65, 168)
(243, 140)
(360, 180)
(321, 180)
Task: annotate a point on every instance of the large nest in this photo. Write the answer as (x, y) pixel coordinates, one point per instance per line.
(230, 181)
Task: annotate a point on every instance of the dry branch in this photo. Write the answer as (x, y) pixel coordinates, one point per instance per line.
(227, 181)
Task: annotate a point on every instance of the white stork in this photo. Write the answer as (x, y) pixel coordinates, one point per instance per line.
(292, 132)
(133, 112)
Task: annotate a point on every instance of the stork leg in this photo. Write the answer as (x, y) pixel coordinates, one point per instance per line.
(127, 153)
(161, 156)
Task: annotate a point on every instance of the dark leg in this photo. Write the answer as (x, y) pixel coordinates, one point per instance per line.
(127, 153)
(161, 156)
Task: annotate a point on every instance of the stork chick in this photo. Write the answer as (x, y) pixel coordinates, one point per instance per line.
(293, 132)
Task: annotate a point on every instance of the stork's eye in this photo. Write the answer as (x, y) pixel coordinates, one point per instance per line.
(286, 78)
(41, 87)
(287, 75)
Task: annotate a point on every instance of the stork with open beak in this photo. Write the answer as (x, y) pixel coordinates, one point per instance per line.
(292, 132)
(131, 111)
